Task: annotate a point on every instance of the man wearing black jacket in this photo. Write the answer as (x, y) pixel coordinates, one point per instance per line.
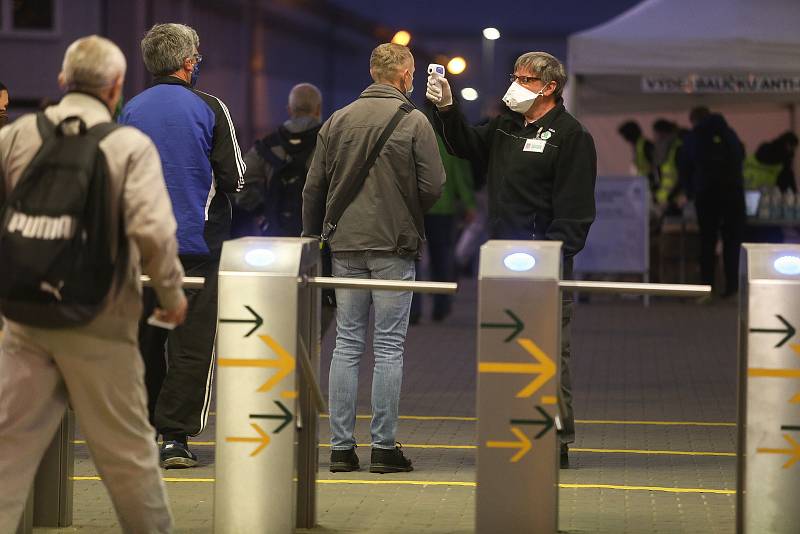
(541, 167)
(277, 166)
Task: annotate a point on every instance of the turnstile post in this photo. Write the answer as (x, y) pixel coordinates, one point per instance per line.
(519, 330)
(768, 471)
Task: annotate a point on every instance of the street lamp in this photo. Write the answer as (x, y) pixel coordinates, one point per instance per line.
(402, 38)
(469, 93)
(457, 65)
(491, 34)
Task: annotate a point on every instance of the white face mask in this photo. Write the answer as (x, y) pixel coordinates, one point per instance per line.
(519, 99)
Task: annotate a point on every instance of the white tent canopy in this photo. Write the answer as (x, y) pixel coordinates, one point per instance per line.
(673, 54)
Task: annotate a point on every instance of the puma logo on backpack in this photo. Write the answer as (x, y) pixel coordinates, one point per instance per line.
(58, 260)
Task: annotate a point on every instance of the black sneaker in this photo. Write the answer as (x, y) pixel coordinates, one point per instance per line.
(564, 456)
(344, 460)
(176, 455)
(389, 461)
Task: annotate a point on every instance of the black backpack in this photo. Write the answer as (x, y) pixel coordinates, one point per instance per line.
(283, 206)
(57, 262)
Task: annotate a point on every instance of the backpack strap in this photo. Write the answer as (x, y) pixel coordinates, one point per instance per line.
(101, 130)
(266, 149)
(45, 126)
(346, 197)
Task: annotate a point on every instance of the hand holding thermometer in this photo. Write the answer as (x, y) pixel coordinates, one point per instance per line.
(438, 90)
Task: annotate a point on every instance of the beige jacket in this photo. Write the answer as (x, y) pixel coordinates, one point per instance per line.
(149, 223)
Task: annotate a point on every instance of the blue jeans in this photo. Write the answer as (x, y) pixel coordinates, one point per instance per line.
(352, 320)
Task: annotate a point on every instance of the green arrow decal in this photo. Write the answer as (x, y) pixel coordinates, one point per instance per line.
(286, 416)
(517, 326)
(256, 319)
(789, 331)
(547, 422)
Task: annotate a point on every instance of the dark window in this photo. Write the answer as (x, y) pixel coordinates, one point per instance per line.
(33, 14)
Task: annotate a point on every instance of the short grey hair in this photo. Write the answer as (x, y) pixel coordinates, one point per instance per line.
(387, 60)
(166, 46)
(304, 99)
(92, 63)
(545, 66)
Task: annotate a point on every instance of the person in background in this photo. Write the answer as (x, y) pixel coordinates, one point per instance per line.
(667, 144)
(3, 105)
(711, 162)
(642, 150)
(277, 166)
(440, 227)
(772, 165)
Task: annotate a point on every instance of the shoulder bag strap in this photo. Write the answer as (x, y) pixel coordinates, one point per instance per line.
(342, 201)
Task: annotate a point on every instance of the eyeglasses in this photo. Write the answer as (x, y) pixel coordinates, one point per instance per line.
(522, 79)
(198, 58)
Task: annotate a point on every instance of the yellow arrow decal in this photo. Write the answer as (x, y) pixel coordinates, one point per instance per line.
(794, 452)
(760, 372)
(524, 444)
(284, 363)
(263, 440)
(545, 368)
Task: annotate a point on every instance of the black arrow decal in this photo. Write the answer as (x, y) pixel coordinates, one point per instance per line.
(286, 416)
(517, 325)
(256, 319)
(789, 331)
(547, 422)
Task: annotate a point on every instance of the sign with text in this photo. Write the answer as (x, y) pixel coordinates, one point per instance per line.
(730, 83)
(618, 240)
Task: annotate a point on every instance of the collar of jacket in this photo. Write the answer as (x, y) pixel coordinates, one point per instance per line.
(382, 90)
(92, 103)
(169, 80)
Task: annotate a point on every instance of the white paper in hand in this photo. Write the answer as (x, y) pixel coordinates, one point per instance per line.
(158, 323)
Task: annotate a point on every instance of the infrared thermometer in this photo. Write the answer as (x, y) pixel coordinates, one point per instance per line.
(436, 69)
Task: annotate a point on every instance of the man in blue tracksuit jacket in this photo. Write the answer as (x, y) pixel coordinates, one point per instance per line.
(201, 160)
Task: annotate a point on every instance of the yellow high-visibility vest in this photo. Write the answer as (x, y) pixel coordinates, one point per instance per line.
(643, 166)
(758, 175)
(668, 173)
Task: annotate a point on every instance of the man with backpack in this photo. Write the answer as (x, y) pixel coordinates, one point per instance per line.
(84, 210)
(200, 156)
(376, 171)
(710, 165)
(277, 166)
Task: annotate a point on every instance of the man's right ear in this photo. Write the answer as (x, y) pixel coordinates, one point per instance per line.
(62, 81)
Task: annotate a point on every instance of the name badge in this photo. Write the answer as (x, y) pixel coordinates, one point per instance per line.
(534, 145)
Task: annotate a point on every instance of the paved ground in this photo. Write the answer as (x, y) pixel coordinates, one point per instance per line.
(634, 369)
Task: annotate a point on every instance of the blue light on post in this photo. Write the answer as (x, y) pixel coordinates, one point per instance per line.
(519, 262)
(789, 265)
(259, 257)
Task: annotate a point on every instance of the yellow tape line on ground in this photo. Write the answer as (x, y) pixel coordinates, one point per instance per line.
(472, 447)
(467, 484)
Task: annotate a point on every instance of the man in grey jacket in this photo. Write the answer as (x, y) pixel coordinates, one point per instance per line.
(96, 367)
(378, 236)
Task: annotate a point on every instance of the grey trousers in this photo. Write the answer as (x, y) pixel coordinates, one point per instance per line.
(102, 376)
